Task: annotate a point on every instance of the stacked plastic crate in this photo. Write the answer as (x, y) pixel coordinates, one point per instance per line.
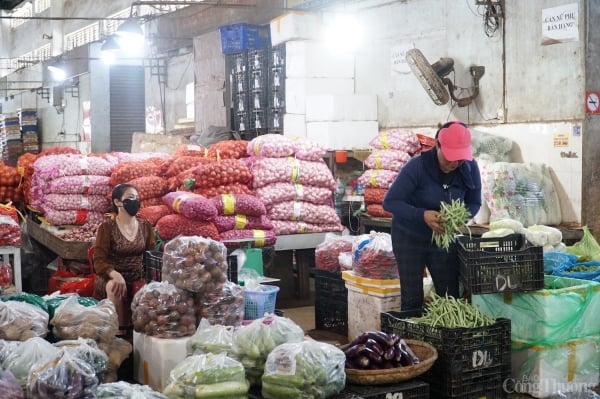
(258, 67)
(276, 89)
(10, 137)
(28, 122)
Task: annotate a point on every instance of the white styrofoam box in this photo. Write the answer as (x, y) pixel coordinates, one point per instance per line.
(342, 135)
(571, 366)
(189, 111)
(329, 107)
(294, 125)
(297, 89)
(154, 358)
(364, 311)
(189, 93)
(315, 59)
(295, 25)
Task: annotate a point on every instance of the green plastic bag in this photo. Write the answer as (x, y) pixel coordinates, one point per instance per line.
(31, 299)
(53, 302)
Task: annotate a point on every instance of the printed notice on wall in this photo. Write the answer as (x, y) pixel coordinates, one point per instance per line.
(560, 24)
(561, 140)
(398, 58)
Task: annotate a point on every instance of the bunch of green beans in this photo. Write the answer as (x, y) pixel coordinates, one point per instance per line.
(453, 220)
(450, 312)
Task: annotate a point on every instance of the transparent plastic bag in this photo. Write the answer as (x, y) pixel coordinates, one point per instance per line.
(373, 256)
(125, 390)
(88, 350)
(9, 386)
(20, 321)
(161, 310)
(327, 253)
(210, 339)
(20, 361)
(6, 349)
(223, 306)
(72, 320)
(319, 365)
(117, 350)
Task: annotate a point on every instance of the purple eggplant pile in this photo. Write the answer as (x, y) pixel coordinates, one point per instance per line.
(374, 350)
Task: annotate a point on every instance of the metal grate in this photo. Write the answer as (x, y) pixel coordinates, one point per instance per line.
(78, 38)
(24, 11)
(40, 6)
(127, 105)
(110, 26)
(44, 53)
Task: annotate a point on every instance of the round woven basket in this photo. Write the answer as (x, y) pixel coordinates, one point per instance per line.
(425, 352)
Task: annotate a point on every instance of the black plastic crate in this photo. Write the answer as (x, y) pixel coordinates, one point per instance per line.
(331, 302)
(275, 119)
(240, 103)
(276, 78)
(258, 120)
(501, 264)
(258, 81)
(257, 101)
(240, 83)
(472, 362)
(413, 389)
(238, 63)
(241, 121)
(277, 56)
(153, 261)
(276, 99)
(258, 60)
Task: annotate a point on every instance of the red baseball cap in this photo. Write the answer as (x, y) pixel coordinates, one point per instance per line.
(455, 141)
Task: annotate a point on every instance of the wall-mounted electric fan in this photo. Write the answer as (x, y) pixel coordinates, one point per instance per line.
(433, 77)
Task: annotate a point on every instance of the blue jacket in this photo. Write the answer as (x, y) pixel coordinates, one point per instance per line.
(418, 188)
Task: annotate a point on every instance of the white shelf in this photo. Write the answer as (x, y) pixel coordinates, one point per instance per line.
(6, 252)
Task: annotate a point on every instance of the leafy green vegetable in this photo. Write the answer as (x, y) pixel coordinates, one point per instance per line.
(587, 248)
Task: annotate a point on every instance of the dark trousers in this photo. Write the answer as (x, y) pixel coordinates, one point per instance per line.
(412, 255)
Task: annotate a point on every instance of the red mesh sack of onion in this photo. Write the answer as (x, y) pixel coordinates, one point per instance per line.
(279, 192)
(239, 204)
(291, 170)
(153, 213)
(171, 226)
(243, 222)
(235, 188)
(387, 159)
(303, 211)
(377, 178)
(397, 139)
(192, 206)
(258, 238)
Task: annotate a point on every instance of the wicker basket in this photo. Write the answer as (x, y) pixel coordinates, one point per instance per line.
(425, 352)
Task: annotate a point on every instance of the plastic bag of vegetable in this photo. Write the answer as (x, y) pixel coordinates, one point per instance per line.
(161, 310)
(583, 270)
(63, 376)
(6, 348)
(73, 320)
(210, 339)
(117, 350)
(87, 350)
(9, 386)
(20, 321)
(253, 343)
(20, 361)
(327, 253)
(31, 299)
(558, 259)
(374, 256)
(54, 301)
(223, 306)
(125, 390)
(587, 248)
(196, 264)
(207, 376)
(307, 369)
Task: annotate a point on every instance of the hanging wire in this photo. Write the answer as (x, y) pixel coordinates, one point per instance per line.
(492, 19)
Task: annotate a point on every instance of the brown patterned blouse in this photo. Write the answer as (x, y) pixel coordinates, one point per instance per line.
(113, 251)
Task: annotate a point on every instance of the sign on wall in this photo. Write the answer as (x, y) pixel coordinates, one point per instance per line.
(592, 102)
(398, 62)
(560, 24)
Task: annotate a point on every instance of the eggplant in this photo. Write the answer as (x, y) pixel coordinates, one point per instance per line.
(374, 345)
(360, 339)
(388, 364)
(349, 364)
(362, 362)
(382, 338)
(389, 353)
(355, 350)
(373, 356)
(413, 358)
(395, 338)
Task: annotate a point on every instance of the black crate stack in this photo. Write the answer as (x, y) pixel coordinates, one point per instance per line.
(28, 122)
(258, 81)
(240, 90)
(276, 89)
(10, 138)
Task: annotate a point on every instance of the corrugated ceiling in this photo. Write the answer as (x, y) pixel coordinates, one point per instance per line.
(9, 4)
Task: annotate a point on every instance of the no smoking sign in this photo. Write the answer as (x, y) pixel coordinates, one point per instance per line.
(592, 102)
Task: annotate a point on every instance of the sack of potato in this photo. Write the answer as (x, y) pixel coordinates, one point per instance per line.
(195, 264)
(161, 310)
(20, 321)
(73, 320)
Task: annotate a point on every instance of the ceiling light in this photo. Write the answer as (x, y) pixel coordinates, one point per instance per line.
(130, 34)
(58, 73)
(109, 49)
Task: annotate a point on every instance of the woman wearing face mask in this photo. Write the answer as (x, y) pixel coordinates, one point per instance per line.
(119, 249)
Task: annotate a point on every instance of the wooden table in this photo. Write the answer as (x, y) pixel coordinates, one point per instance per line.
(45, 235)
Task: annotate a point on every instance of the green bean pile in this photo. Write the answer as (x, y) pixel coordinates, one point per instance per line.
(583, 268)
(450, 312)
(454, 217)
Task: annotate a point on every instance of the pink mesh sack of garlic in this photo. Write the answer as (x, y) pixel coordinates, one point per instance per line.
(271, 145)
(308, 150)
(303, 211)
(396, 139)
(280, 192)
(377, 178)
(242, 222)
(392, 160)
(78, 217)
(284, 227)
(239, 204)
(260, 238)
(291, 170)
(53, 166)
(192, 206)
(66, 202)
(80, 184)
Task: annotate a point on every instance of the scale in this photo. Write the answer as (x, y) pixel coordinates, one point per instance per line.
(250, 258)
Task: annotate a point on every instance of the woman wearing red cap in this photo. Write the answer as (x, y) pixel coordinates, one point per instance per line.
(446, 172)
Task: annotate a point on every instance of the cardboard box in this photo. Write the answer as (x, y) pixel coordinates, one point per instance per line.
(154, 358)
(294, 125)
(364, 311)
(298, 89)
(330, 107)
(315, 59)
(295, 25)
(342, 135)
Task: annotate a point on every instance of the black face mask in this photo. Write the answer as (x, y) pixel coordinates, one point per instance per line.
(132, 206)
